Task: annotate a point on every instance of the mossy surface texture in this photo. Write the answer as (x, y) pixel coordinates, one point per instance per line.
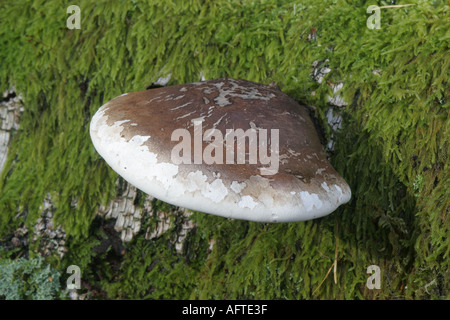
(393, 147)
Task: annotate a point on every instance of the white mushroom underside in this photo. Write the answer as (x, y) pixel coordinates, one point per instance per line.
(253, 199)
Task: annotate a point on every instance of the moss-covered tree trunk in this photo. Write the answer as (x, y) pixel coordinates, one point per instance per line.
(380, 98)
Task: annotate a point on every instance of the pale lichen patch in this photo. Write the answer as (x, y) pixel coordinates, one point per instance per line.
(237, 187)
(310, 200)
(247, 202)
(238, 91)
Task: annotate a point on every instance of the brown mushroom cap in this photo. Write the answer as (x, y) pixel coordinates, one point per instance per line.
(135, 134)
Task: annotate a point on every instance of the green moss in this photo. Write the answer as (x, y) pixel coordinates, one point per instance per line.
(393, 148)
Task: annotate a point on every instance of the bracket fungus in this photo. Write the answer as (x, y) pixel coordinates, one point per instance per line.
(227, 147)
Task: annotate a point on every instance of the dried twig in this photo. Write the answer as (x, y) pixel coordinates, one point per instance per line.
(335, 258)
(324, 278)
(397, 5)
(333, 266)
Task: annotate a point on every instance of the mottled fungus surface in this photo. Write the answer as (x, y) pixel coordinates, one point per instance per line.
(228, 147)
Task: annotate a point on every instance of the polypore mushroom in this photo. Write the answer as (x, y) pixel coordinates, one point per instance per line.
(227, 147)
